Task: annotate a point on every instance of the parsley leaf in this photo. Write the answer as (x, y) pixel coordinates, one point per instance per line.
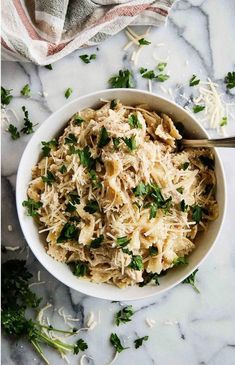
(26, 90)
(180, 190)
(136, 263)
(68, 92)
(148, 277)
(124, 79)
(63, 169)
(197, 213)
(147, 74)
(207, 161)
(113, 104)
(144, 42)
(96, 243)
(116, 142)
(185, 165)
(194, 81)
(48, 146)
(68, 232)
(124, 315)
(6, 96)
(49, 67)
(141, 189)
(70, 139)
(80, 345)
(86, 58)
(95, 183)
(131, 143)
(162, 77)
(123, 241)
(80, 269)
(85, 158)
(32, 207)
(180, 261)
(134, 121)
(153, 210)
(153, 250)
(230, 80)
(161, 66)
(198, 108)
(74, 199)
(183, 206)
(78, 120)
(115, 341)
(224, 121)
(139, 341)
(28, 125)
(91, 207)
(103, 138)
(15, 134)
(49, 178)
(191, 280)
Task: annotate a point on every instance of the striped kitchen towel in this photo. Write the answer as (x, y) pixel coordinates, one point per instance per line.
(44, 31)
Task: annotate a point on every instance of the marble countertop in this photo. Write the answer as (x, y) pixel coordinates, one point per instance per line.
(189, 328)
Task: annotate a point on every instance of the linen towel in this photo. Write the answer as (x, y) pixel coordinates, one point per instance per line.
(43, 31)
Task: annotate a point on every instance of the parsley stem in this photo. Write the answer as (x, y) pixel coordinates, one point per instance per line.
(54, 329)
(39, 351)
(57, 344)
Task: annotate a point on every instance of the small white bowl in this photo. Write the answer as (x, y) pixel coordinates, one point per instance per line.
(51, 128)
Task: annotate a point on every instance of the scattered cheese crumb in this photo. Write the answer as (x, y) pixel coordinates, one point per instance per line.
(12, 248)
(91, 322)
(170, 323)
(150, 322)
(83, 358)
(39, 275)
(134, 40)
(9, 227)
(37, 283)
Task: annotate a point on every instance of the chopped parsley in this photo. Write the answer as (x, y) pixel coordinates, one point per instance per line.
(28, 125)
(197, 213)
(147, 74)
(124, 315)
(15, 134)
(207, 161)
(26, 90)
(80, 268)
(185, 165)
(71, 139)
(148, 277)
(74, 199)
(116, 142)
(191, 280)
(91, 207)
(115, 341)
(134, 121)
(86, 58)
(139, 341)
(123, 241)
(6, 96)
(131, 143)
(153, 251)
(180, 261)
(162, 77)
(78, 120)
(153, 210)
(95, 183)
(198, 108)
(48, 146)
(141, 189)
(144, 42)
(161, 66)
(103, 138)
(85, 158)
(68, 92)
(224, 121)
(124, 79)
(32, 207)
(113, 104)
(49, 67)
(194, 81)
(49, 178)
(80, 345)
(183, 206)
(96, 243)
(136, 263)
(68, 232)
(230, 80)
(180, 190)
(63, 169)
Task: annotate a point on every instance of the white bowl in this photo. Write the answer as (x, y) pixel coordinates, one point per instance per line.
(49, 129)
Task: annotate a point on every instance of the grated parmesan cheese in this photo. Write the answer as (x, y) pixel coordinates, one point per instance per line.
(12, 248)
(133, 40)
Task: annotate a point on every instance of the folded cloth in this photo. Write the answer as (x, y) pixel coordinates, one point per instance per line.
(44, 31)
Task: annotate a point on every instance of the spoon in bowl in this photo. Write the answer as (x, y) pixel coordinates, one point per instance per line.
(219, 142)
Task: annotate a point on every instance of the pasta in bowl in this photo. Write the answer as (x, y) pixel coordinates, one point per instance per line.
(116, 202)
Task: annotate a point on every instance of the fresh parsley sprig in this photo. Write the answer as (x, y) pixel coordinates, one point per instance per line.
(230, 80)
(32, 207)
(191, 280)
(194, 81)
(68, 92)
(26, 91)
(124, 79)
(143, 42)
(28, 125)
(86, 58)
(15, 134)
(124, 315)
(6, 96)
(139, 341)
(116, 342)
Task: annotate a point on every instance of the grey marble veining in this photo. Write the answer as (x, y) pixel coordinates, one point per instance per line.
(189, 328)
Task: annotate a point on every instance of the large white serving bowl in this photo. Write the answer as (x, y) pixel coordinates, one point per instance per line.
(52, 128)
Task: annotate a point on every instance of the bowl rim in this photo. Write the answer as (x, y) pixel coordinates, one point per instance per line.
(20, 208)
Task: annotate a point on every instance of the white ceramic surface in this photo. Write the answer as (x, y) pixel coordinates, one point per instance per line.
(50, 129)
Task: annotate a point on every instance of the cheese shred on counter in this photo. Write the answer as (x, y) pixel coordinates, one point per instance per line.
(118, 202)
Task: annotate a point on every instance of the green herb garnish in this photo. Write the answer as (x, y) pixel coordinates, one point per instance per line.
(136, 263)
(131, 143)
(96, 184)
(144, 42)
(191, 280)
(207, 161)
(198, 108)
(68, 232)
(123, 241)
(162, 77)
(15, 134)
(185, 165)
(49, 67)
(115, 341)
(103, 138)
(147, 74)
(139, 341)
(80, 269)
(48, 146)
(153, 251)
(116, 142)
(148, 277)
(124, 79)
(49, 178)
(70, 139)
(28, 125)
(32, 207)
(91, 207)
(6, 96)
(86, 58)
(80, 345)
(141, 189)
(161, 66)
(153, 210)
(26, 90)
(183, 206)
(197, 213)
(124, 315)
(224, 121)
(78, 120)
(68, 92)
(113, 104)
(85, 158)
(63, 169)
(230, 80)
(180, 190)
(96, 243)
(180, 261)
(194, 81)
(134, 121)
